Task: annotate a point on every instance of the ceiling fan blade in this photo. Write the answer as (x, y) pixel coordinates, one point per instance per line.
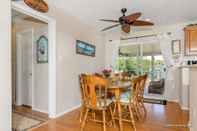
(31, 19)
(126, 28)
(142, 23)
(110, 27)
(133, 17)
(39, 5)
(115, 21)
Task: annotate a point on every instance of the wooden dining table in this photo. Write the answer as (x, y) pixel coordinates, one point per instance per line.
(117, 87)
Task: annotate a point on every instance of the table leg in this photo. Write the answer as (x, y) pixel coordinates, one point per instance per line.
(117, 95)
(120, 116)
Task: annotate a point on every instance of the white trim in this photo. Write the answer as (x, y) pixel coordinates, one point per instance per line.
(21, 7)
(181, 106)
(18, 75)
(42, 111)
(184, 108)
(52, 68)
(33, 69)
(68, 110)
(173, 100)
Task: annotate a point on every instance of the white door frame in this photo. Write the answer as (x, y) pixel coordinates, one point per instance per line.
(21, 7)
(19, 70)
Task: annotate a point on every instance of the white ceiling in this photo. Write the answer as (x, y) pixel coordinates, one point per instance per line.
(161, 12)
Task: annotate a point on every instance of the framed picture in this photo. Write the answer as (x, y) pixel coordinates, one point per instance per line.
(84, 48)
(42, 50)
(176, 47)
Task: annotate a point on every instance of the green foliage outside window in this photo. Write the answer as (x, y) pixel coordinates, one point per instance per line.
(127, 64)
(136, 66)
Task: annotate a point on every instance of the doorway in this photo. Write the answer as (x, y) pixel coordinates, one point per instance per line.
(17, 6)
(144, 58)
(30, 78)
(25, 66)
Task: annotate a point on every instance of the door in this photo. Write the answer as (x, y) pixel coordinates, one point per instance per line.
(27, 62)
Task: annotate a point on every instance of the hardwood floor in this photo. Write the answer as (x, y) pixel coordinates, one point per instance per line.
(27, 111)
(158, 117)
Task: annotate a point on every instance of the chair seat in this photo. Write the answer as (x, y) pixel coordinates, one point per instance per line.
(103, 104)
(126, 97)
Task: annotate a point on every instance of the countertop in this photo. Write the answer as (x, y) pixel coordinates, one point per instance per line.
(188, 66)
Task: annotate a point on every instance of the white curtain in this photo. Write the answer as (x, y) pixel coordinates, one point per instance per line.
(166, 50)
(112, 50)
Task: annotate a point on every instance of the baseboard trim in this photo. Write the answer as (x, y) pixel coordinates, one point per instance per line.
(173, 100)
(68, 110)
(39, 110)
(185, 108)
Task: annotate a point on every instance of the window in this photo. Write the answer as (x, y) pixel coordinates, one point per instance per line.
(141, 59)
(128, 60)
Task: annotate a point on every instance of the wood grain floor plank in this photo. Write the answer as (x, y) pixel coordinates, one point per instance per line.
(157, 118)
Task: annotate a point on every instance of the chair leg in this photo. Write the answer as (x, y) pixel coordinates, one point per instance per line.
(132, 118)
(81, 113)
(104, 121)
(115, 106)
(112, 116)
(120, 116)
(137, 110)
(84, 119)
(145, 111)
(94, 115)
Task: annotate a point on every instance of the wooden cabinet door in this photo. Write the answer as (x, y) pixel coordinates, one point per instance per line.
(191, 41)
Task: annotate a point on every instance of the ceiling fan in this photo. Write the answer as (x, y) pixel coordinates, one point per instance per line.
(127, 21)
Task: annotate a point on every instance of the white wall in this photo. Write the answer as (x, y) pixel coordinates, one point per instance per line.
(40, 76)
(40, 89)
(70, 64)
(5, 66)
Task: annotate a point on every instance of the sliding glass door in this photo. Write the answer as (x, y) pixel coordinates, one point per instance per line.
(140, 59)
(153, 62)
(128, 60)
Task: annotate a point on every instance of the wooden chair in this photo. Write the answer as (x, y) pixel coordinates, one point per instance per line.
(83, 84)
(95, 99)
(130, 100)
(137, 96)
(141, 105)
